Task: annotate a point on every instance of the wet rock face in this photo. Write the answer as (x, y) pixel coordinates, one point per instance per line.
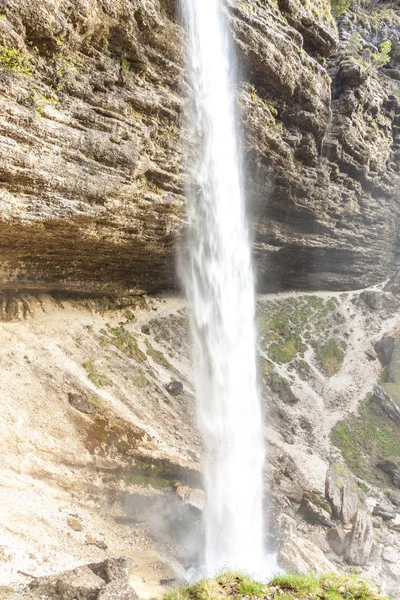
(91, 182)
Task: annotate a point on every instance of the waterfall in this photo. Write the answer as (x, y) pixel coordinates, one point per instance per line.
(219, 281)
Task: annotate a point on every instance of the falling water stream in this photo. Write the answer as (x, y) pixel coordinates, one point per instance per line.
(220, 286)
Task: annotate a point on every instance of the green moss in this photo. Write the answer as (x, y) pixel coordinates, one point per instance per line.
(331, 356)
(289, 326)
(140, 379)
(366, 438)
(98, 379)
(340, 6)
(287, 351)
(12, 59)
(318, 501)
(125, 342)
(156, 355)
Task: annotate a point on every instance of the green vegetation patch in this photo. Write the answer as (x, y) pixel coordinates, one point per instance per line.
(331, 355)
(282, 587)
(156, 355)
(12, 59)
(289, 327)
(124, 341)
(365, 439)
(98, 379)
(318, 501)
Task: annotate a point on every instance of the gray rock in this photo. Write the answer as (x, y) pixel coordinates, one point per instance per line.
(391, 554)
(396, 478)
(386, 512)
(337, 540)
(361, 542)
(174, 388)
(342, 492)
(394, 497)
(281, 387)
(379, 300)
(316, 510)
(79, 402)
(79, 584)
(111, 569)
(384, 349)
(118, 589)
(389, 465)
(387, 404)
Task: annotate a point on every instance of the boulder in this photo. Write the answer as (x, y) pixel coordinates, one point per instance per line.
(79, 402)
(316, 509)
(379, 300)
(359, 549)
(113, 568)
(174, 388)
(342, 492)
(79, 584)
(337, 540)
(119, 589)
(106, 580)
(394, 498)
(385, 511)
(384, 349)
(298, 555)
(387, 404)
(281, 387)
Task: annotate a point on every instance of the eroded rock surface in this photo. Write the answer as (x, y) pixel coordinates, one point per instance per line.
(91, 176)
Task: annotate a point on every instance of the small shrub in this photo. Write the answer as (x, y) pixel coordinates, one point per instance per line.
(383, 57)
(12, 59)
(338, 7)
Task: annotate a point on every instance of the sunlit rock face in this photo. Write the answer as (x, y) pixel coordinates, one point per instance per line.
(91, 182)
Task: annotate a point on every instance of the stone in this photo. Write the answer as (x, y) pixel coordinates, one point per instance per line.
(174, 388)
(387, 404)
(298, 555)
(316, 509)
(79, 584)
(342, 492)
(193, 497)
(118, 589)
(74, 524)
(337, 540)
(370, 354)
(391, 554)
(361, 540)
(379, 300)
(384, 349)
(80, 403)
(394, 497)
(281, 387)
(396, 478)
(389, 465)
(111, 569)
(386, 512)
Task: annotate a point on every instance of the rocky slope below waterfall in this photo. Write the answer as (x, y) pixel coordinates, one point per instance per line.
(99, 423)
(91, 174)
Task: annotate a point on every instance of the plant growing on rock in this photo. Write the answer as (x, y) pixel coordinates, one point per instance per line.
(12, 59)
(383, 57)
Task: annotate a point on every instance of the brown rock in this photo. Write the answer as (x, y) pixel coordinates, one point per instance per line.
(74, 524)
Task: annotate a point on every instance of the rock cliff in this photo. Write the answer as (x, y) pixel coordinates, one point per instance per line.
(91, 170)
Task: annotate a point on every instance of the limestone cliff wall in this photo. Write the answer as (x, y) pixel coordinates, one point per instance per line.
(91, 170)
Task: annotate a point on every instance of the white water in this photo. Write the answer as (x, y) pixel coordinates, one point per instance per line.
(220, 287)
